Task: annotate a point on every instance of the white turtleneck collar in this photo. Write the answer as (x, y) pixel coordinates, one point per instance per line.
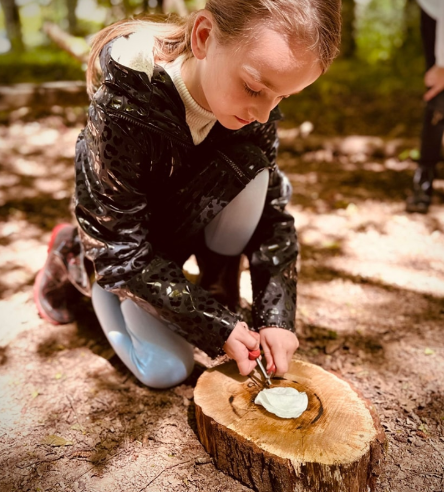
(198, 119)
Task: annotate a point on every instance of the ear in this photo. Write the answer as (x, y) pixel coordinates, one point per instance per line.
(202, 29)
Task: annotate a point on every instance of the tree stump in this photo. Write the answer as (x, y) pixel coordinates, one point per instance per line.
(335, 445)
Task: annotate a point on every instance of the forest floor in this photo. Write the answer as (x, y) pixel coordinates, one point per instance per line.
(370, 307)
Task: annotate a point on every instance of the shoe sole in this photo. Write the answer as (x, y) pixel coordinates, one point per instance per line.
(41, 312)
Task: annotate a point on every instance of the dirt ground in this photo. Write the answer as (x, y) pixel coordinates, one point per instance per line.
(370, 307)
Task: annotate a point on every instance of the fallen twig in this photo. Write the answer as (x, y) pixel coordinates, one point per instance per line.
(165, 469)
(41, 461)
(95, 465)
(75, 46)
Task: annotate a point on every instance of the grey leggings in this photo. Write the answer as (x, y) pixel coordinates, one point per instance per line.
(156, 355)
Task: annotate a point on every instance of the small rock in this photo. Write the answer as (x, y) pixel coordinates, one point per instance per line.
(400, 438)
(421, 434)
(185, 391)
(332, 346)
(203, 460)
(400, 475)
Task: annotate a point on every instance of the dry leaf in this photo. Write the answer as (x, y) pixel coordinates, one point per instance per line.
(423, 428)
(54, 440)
(79, 427)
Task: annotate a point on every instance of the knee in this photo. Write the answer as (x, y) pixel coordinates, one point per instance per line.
(172, 372)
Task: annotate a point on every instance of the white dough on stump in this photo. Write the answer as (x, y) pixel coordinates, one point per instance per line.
(336, 445)
(287, 403)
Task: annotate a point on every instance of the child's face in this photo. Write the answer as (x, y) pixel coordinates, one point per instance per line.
(241, 83)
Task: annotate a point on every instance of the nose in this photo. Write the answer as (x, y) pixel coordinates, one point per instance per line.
(261, 111)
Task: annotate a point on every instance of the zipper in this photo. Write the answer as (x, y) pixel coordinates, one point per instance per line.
(243, 178)
(148, 127)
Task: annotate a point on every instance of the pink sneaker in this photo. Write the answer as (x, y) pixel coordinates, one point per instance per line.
(54, 294)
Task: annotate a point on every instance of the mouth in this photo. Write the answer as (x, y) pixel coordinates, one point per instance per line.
(244, 122)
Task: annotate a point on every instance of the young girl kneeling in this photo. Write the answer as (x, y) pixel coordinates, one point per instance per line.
(178, 158)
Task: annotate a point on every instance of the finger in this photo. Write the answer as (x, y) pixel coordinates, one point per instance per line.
(256, 335)
(245, 366)
(280, 360)
(267, 353)
(251, 341)
(432, 92)
(270, 366)
(294, 347)
(296, 343)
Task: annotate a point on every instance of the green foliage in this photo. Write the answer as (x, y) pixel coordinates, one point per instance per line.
(384, 27)
(357, 98)
(39, 65)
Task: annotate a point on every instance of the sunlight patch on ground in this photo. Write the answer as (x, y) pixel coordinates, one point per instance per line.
(18, 314)
(13, 419)
(23, 253)
(426, 282)
(344, 306)
(365, 240)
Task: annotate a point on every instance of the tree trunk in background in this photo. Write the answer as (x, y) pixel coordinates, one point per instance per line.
(348, 44)
(412, 44)
(72, 19)
(13, 25)
(410, 27)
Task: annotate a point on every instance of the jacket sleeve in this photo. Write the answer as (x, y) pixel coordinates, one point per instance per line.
(114, 166)
(439, 37)
(273, 249)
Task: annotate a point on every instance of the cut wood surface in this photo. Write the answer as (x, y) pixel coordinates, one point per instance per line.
(335, 445)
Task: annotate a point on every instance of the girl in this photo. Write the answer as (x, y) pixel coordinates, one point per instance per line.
(179, 157)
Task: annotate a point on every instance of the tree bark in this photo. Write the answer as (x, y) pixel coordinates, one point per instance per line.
(336, 445)
(13, 25)
(348, 42)
(71, 6)
(412, 43)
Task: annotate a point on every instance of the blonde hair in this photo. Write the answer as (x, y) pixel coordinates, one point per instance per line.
(315, 23)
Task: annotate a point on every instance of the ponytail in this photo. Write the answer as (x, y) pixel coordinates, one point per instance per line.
(172, 37)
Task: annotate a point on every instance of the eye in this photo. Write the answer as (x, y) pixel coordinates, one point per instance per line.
(250, 91)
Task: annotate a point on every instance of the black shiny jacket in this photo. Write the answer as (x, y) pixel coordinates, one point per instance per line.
(144, 193)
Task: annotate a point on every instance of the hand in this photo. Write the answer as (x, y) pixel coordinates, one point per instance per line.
(434, 80)
(278, 345)
(238, 346)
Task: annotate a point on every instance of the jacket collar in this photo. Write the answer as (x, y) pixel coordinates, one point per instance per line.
(159, 101)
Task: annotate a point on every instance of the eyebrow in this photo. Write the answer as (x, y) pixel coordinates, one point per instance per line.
(256, 75)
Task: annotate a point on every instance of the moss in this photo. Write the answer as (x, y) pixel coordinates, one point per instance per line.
(39, 65)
